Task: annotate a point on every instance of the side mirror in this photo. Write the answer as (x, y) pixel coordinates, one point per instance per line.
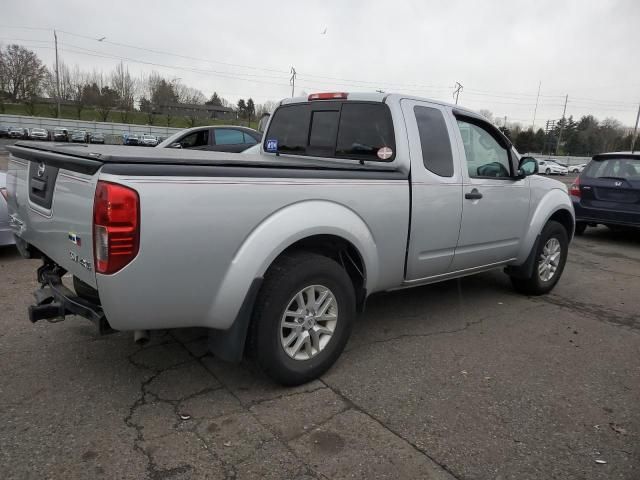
(175, 145)
(528, 166)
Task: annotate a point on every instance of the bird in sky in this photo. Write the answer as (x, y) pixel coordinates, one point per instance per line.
(324, 32)
(101, 39)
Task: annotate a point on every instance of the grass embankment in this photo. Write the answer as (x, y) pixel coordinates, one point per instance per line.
(134, 117)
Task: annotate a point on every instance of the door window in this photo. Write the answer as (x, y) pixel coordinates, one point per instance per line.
(229, 136)
(195, 139)
(486, 158)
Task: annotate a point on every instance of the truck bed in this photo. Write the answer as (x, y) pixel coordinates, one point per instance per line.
(89, 158)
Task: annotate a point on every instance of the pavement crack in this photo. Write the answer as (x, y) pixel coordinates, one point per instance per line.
(358, 408)
(416, 335)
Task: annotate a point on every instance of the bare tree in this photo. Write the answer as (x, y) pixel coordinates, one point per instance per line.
(125, 87)
(189, 95)
(23, 72)
(147, 85)
(78, 82)
(266, 107)
(486, 113)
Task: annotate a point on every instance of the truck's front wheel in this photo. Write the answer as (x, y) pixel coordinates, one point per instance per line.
(550, 258)
(302, 318)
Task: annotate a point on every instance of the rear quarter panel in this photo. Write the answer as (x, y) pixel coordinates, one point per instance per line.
(203, 240)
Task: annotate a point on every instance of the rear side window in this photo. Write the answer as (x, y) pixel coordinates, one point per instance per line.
(351, 130)
(228, 136)
(434, 141)
(248, 139)
(366, 132)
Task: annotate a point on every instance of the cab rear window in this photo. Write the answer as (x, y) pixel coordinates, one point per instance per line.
(349, 130)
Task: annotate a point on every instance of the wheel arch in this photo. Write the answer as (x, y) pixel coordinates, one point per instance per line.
(554, 205)
(323, 226)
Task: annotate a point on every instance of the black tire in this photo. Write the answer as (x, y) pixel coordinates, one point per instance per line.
(535, 285)
(580, 228)
(547, 171)
(285, 278)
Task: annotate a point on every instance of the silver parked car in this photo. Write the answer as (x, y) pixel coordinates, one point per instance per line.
(349, 195)
(39, 134)
(148, 140)
(6, 235)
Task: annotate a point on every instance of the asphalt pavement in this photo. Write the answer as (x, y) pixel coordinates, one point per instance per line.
(464, 379)
(461, 380)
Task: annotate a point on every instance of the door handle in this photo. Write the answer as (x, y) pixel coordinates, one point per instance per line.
(473, 195)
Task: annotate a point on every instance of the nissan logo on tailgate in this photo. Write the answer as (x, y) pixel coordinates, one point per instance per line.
(41, 169)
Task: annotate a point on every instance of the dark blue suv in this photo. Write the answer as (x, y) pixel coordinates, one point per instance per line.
(608, 192)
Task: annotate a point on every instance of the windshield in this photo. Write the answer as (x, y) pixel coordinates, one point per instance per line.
(626, 168)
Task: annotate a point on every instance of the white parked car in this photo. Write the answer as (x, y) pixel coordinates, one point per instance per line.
(39, 134)
(549, 167)
(577, 168)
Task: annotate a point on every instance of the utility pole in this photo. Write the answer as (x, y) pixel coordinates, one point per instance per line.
(564, 111)
(292, 81)
(535, 110)
(635, 131)
(504, 125)
(55, 37)
(457, 89)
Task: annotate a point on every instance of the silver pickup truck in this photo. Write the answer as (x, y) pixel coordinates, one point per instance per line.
(277, 252)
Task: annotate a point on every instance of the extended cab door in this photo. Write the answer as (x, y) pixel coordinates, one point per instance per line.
(495, 205)
(436, 189)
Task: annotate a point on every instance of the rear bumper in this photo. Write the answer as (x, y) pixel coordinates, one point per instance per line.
(55, 302)
(610, 217)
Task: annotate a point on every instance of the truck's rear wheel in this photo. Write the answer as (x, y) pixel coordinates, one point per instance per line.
(551, 256)
(302, 318)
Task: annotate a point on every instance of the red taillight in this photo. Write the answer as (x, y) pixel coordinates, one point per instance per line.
(574, 189)
(116, 226)
(328, 96)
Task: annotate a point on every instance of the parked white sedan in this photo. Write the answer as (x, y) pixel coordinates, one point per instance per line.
(549, 167)
(6, 236)
(577, 168)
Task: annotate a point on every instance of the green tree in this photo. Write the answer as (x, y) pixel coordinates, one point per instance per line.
(524, 142)
(215, 100)
(251, 108)
(242, 108)
(538, 141)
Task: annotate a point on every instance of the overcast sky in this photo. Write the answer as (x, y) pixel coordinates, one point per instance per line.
(498, 50)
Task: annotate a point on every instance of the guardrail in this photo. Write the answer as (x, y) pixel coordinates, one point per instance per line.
(106, 128)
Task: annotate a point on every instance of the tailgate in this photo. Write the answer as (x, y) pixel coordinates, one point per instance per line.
(51, 206)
